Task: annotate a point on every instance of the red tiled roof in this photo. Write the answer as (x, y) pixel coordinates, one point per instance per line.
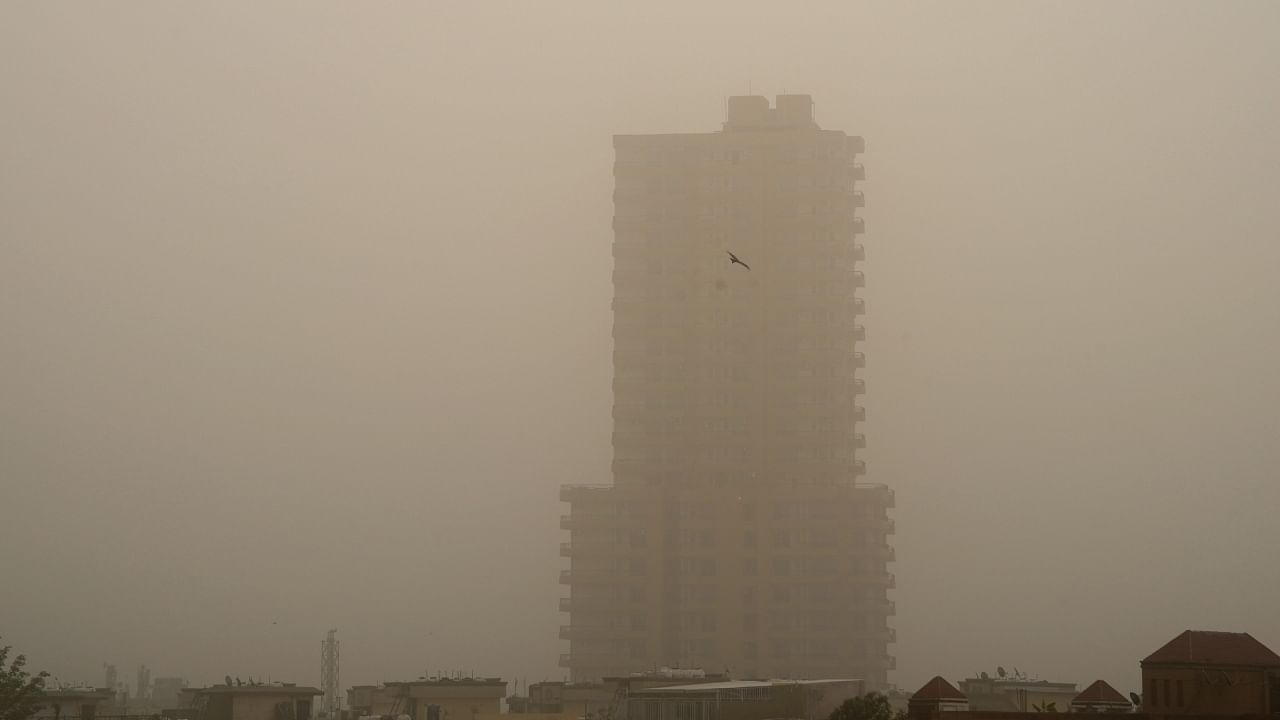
(938, 689)
(1100, 692)
(1202, 647)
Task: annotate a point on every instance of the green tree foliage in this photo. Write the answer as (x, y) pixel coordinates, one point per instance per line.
(872, 706)
(20, 691)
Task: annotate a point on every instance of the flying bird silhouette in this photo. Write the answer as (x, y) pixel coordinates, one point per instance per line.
(734, 259)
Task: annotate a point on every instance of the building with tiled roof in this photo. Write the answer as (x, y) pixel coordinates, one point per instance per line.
(934, 697)
(1211, 673)
(1100, 697)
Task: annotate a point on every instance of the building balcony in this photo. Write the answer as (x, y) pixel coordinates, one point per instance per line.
(859, 468)
(581, 520)
(569, 493)
(859, 226)
(859, 360)
(859, 440)
(859, 387)
(566, 549)
(858, 172)
(859, 413)
(859, 252)
(859, 306)
(858, 199)
(566, 604)
(855, 144)
(566, 660)
(588, 632)
(859, 333)
(859, 280)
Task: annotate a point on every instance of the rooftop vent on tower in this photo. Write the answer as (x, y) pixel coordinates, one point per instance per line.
(752, 112)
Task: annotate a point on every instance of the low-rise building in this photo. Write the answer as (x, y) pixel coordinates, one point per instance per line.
(604, 699)
(1017, 694)
(568, 699)
(934, 697)
(742, 700)
(85, 703)
(1100, 697)
(1211, 673)
(273, 701)
(430, 699)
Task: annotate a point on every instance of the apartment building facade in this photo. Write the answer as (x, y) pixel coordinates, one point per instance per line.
(738, 533)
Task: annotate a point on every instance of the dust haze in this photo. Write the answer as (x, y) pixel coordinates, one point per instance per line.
(305, 316)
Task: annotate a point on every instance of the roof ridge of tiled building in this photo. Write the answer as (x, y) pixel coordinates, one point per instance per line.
(939, 689)
(1100, 691)
(1213, 647)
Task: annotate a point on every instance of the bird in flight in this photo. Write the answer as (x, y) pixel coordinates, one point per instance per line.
(734, 259)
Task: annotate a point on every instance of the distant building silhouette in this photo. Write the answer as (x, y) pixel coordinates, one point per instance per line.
(736, 534)
(166, 692)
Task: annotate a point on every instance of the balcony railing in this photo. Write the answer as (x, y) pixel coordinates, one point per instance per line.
(859, 413)
(859, 280)
(566, 604)
(858, 171)
(859, 360)
(859, 306)
(859, 387)
(859, 440)
(859, 334)
(859, 468)
(859, 252)
(859, 226)
(569, 492)
(858, 199)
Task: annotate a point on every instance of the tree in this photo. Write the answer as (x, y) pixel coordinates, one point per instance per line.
(20, 691)
(872, 706)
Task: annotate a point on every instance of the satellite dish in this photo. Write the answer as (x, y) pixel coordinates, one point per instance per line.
(1000, 671)
(1136, 699)
(985, 676)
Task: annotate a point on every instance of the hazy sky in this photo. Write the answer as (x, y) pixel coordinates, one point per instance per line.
(304, 318)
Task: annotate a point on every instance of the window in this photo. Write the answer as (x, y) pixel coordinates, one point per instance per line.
(1154, 693)
(1178, 688)
(1168, 697)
